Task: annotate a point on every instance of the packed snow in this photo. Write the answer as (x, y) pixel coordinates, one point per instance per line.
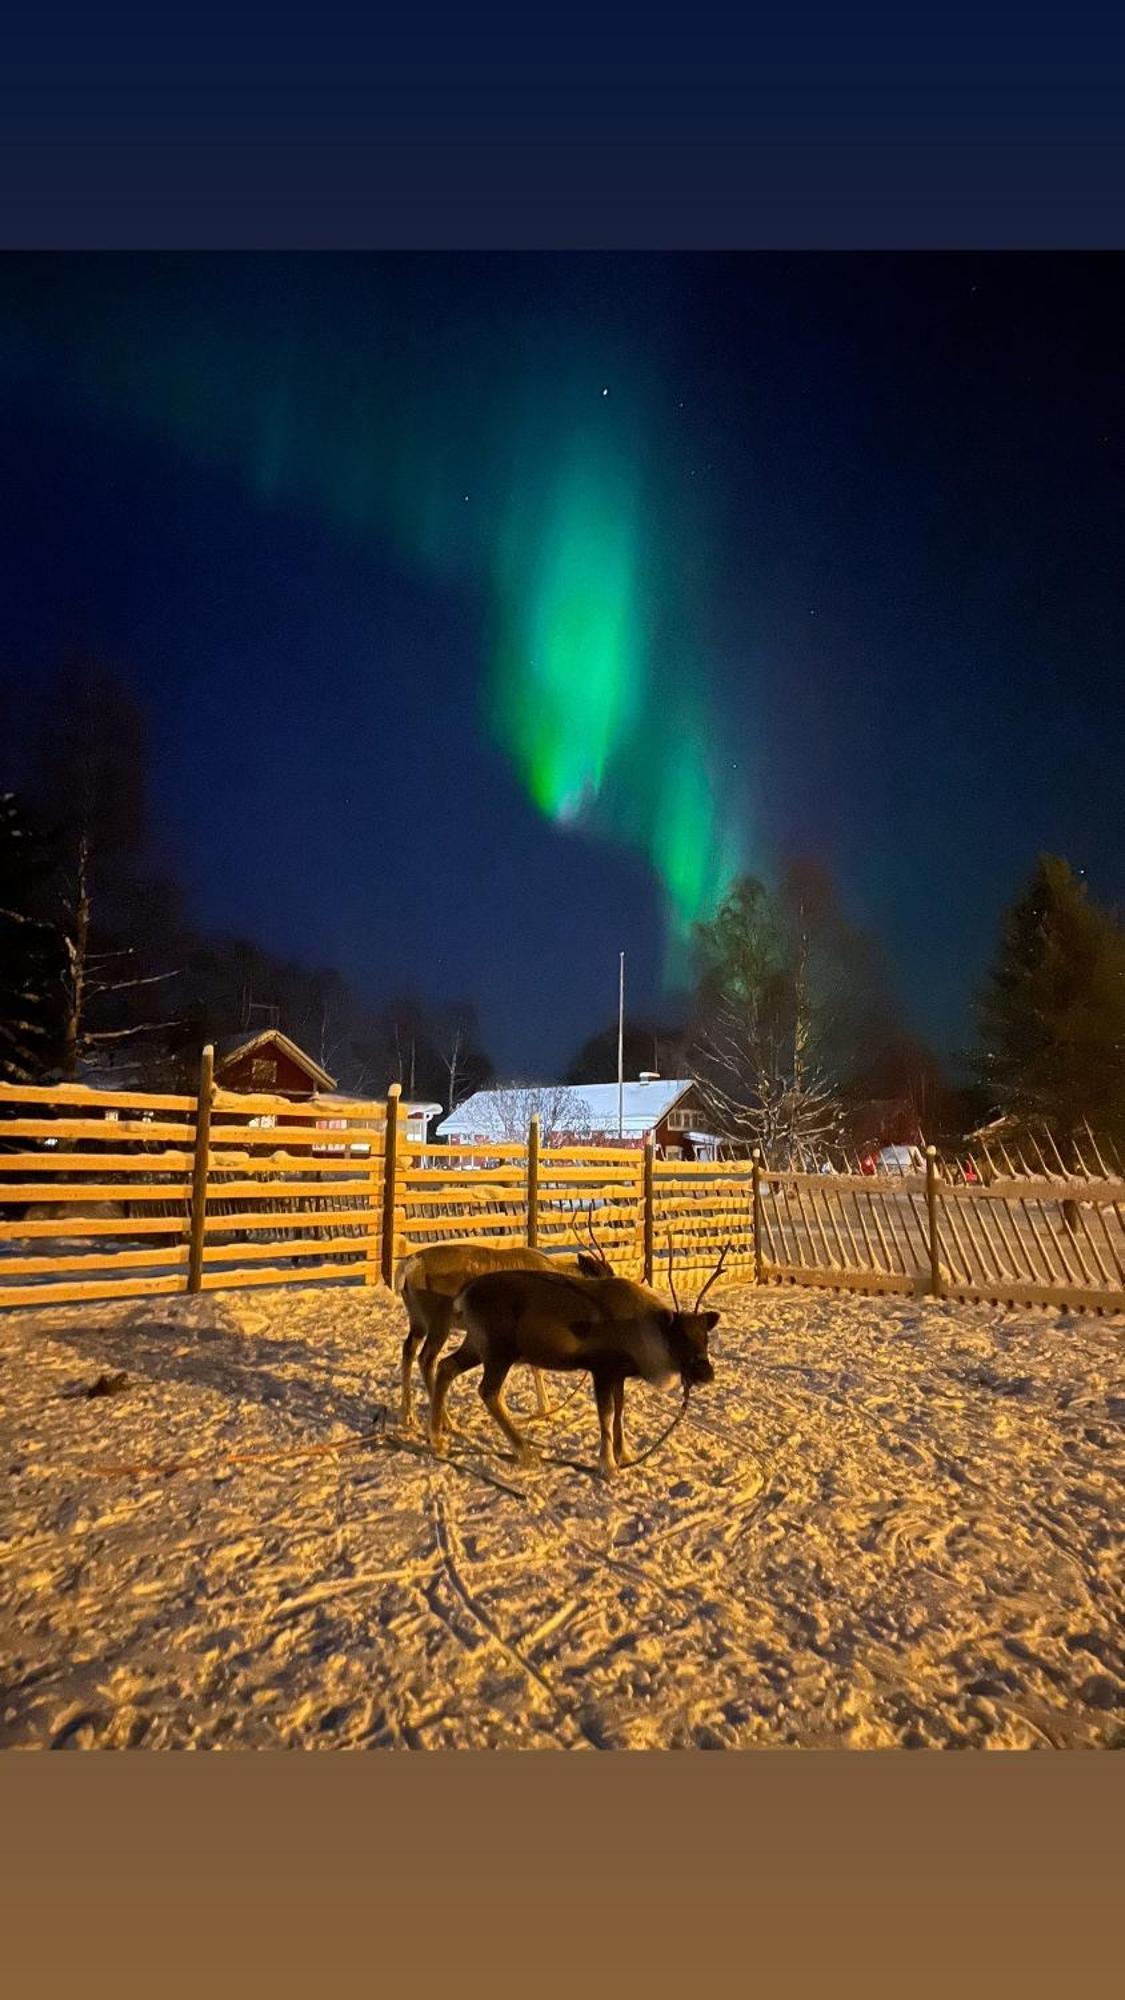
(888, 1522)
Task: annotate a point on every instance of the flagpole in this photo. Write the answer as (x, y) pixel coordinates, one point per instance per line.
(621, 1048)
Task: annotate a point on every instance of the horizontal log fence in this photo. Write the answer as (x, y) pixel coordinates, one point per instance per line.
(118, 1194)
(107, 1195)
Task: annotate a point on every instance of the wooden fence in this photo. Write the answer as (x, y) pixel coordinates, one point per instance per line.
(1053, 1243)
(1033, 1242)
(1024, 1242)
(112, 1195)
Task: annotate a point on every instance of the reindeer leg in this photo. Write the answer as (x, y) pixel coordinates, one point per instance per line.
(454, 1364)
(440, 1330)
(619, 1423)
(542, 1406)
(437, 1333)
(492, 1396)
(603, 1391)
(410, 1347)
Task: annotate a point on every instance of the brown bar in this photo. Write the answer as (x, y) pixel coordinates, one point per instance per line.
(203, 1105)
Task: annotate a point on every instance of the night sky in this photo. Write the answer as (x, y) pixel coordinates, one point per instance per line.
(492, 612)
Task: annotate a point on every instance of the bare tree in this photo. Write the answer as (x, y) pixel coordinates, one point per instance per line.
(91, 782)
(511, 1106)
(29, 950)
(428, 1050)
(456, 1041)
(758, 1092)
(758, 1047)
(453, 1044)
(410, 1057)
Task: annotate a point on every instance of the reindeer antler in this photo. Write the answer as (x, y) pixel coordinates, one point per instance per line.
(594, 1244)
(671, 1280)
(714, 1275)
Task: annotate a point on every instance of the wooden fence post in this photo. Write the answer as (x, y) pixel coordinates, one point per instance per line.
(372, 1263)
(390, 1182)
(203, 1105)
(756, 1187)
(533, 1182)
(649, 1205)
(932, 1215)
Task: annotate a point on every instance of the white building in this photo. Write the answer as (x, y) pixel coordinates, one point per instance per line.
(666, 1106)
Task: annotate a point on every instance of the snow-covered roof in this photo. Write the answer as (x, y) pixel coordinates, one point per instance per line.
(644, 1105)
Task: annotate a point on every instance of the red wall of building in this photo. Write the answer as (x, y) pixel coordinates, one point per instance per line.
(291, 1080)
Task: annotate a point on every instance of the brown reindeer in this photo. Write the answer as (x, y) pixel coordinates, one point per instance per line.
(430, 1280)
(611, 1327)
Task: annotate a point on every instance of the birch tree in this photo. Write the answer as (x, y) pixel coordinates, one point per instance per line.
(92, 784)
(766, 1044)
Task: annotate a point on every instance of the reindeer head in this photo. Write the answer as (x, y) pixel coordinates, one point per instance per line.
(686, 1332)
(593, 1267)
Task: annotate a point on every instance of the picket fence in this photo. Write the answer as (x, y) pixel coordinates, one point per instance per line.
(107, 1195)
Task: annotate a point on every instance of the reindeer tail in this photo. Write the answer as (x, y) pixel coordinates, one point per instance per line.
(404, 1269)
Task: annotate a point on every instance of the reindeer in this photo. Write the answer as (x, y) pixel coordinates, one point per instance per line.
(611, 1327)
(430, 1281)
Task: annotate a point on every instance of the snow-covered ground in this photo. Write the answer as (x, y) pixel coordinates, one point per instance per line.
(886, 1523)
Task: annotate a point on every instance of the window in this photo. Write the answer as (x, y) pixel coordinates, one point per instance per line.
(679, 1121)
(263, 1069)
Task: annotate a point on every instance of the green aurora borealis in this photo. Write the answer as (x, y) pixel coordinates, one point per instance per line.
(591, 690)
(534, 465)
(568, 662)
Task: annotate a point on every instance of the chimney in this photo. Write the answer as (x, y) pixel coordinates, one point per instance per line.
(650, 1076)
